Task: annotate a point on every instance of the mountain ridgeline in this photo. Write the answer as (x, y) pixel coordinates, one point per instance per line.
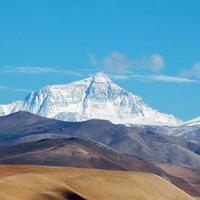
(94, 123)
(26, 138)
(97, 97)
(146, 142)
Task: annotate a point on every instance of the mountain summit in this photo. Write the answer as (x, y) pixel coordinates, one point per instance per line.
(97, 97)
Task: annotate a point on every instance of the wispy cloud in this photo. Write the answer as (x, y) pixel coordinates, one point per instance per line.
(119, 77)
(173, 79)
(153, 77)
(21, 90)
(119, 62)
(38, 70)
(122, 67)
(116, 61)
(194, 71)
(155, 62)
(163, 78)
(5, 87)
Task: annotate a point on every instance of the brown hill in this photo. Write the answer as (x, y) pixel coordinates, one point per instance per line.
(145, 142)
(57, 183)
(188, 175)
(76, 152)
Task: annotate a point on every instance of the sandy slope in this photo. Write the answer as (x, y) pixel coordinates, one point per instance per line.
(56, 183)
(190, 176)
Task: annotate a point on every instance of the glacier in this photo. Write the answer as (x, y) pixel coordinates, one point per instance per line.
(96, 97)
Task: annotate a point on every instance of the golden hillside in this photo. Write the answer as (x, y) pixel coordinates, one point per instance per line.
(57, 183)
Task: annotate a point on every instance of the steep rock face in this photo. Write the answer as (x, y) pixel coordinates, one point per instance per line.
(97, 97)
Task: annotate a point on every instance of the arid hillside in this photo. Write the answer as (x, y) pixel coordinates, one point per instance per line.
(22, 182)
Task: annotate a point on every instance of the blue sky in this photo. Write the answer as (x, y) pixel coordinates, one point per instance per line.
(150, 47)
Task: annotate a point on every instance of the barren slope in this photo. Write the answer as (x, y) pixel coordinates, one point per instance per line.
(55, 183)
(188, 175)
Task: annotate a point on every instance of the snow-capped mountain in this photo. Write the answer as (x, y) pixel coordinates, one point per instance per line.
(97, 97)
(193, 122)
(189, 130)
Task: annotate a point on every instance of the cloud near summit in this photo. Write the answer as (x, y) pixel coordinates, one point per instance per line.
(145, 68)
(119, 62)
(193, 72)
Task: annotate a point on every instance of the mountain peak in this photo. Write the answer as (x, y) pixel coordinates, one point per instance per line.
(101, 77)
(95, 98)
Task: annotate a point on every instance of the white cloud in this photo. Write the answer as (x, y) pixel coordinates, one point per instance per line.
(174, 79)
(119, 77)
(3, 87)
(193, 72)
(39, 70)
(35, 70)
(93, 61)
(124, 68)
(21, 90)
(156, 62)
(119, 62)
(163, 78)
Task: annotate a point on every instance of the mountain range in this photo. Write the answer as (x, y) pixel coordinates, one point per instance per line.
(94, 123)
(146, 142)
(26, 138)
(97, 97)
